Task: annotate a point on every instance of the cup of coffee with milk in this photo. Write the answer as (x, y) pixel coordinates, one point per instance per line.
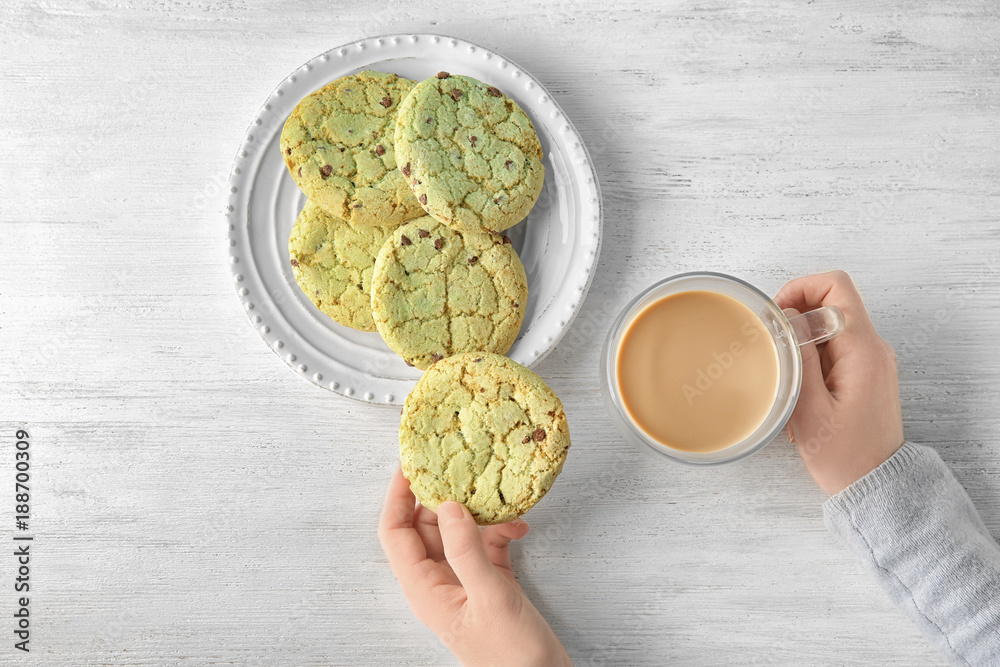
(705, 368)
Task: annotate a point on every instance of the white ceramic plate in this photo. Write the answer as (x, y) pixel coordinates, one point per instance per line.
(559, 242)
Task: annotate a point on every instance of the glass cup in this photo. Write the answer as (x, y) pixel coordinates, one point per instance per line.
(815, 326)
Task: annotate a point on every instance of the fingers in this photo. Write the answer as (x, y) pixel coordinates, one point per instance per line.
(851, 347)
(497, 539)
(814, 393)
(890, 352)
(401, 543)
(825, 289)
(397, 511)
(425, 522)
(465, 551)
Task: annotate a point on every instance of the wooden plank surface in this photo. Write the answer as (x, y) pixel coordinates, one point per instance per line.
(196, 503)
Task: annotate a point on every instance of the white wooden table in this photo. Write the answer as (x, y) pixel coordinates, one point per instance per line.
(194, 502)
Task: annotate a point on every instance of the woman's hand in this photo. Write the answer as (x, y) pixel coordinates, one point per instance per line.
(847, 421)
(459, 581)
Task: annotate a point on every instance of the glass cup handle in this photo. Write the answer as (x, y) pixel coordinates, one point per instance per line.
(817, 326)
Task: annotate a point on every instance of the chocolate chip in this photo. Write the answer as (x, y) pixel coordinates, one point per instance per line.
(497, 200)
(443, 75)
(342, 149)
(429, 121)
(423, 199)
(408, 363)
(438, 243)
(506, 239)
(356, 204)
(538, 435)
(295, 262)
(494, 91)
(386, 102)
(482, 390)
(326, 170)
(526, 440)
(473, 259)
(436, 357)
(406, 169)
(288, 151)
(405, 240)
(380, 150)
(423, 233)
(508, 163)
(477, 359)
(361, 287)
(317, 292)
(455, 94)
(516, 305)
(472, 140)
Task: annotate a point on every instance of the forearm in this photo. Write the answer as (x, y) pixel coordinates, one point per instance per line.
(916, 530)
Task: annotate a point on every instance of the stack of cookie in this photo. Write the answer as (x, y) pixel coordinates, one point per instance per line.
(410, 188)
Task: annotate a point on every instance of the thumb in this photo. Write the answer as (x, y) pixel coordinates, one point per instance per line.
(464, 548)
(814, 393)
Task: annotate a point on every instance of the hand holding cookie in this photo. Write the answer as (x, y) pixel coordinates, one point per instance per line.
(459, 581)
(401, 235)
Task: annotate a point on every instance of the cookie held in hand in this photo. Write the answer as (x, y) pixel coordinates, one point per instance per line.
(484, 431)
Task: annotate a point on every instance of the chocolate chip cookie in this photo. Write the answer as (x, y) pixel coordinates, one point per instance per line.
(484, 431)
(469, 152)
(338, 146)
(437, 291)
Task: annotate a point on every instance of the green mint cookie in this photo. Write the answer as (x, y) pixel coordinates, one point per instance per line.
(437, 291)
(332, 261)
(484, 431)
(338, 147)
(469, 152)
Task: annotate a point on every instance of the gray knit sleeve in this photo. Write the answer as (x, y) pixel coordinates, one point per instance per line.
(917, 532)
